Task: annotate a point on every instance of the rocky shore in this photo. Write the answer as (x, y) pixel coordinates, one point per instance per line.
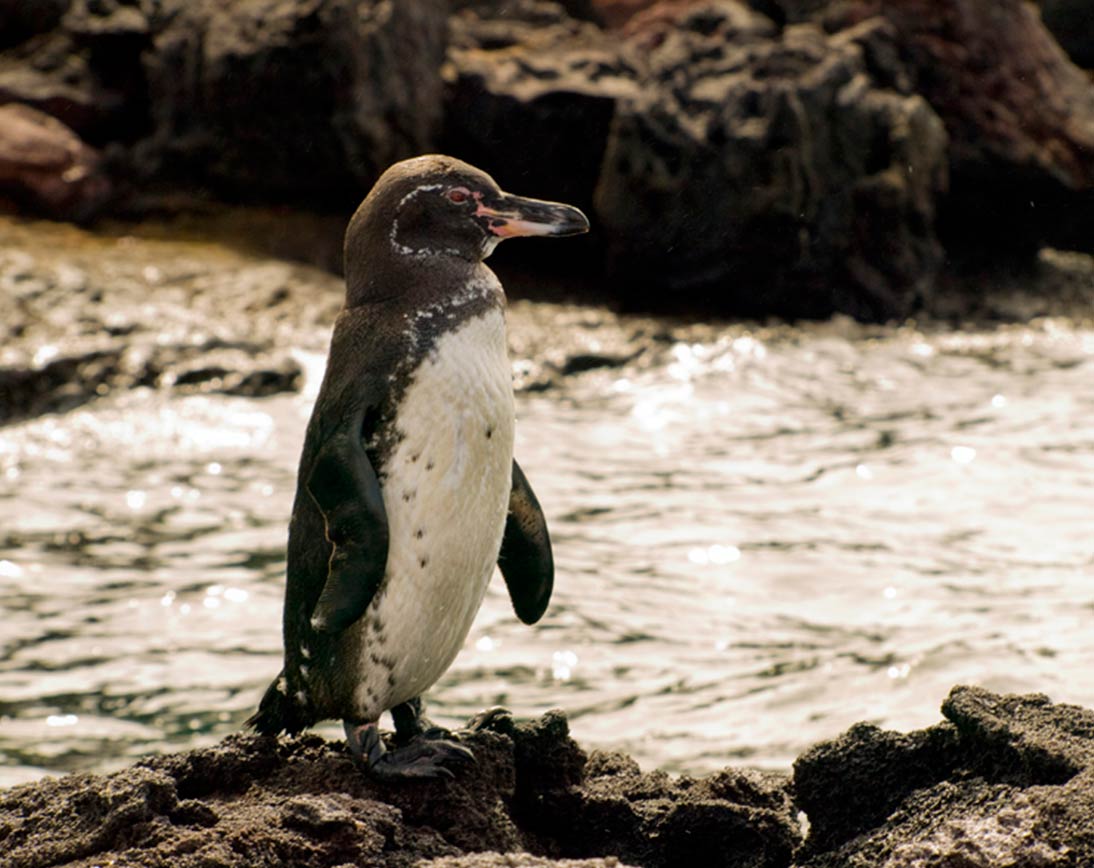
(794, 158)
(1002, 782)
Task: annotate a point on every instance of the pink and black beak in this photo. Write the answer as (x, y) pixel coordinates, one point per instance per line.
(509, 216)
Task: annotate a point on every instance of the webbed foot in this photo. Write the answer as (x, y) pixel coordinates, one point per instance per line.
(421, 758)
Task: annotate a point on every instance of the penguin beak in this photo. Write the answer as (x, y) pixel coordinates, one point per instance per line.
(514, 216)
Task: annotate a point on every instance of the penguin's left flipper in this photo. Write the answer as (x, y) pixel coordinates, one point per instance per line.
(344, 486)
(525, 560)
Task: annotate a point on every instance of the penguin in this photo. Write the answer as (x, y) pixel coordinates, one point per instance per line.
(408, 493)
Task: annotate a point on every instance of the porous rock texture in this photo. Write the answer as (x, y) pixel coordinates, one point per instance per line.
(801, 157)
(259, 801)
(768, 171)
(1006, 782)
(1020, 119)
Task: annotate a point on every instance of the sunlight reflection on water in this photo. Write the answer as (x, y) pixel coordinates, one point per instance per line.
(760, 539)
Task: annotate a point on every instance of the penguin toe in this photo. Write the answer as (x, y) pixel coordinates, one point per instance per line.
(422, 758)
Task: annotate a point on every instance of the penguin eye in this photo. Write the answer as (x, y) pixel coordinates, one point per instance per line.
(458, 195)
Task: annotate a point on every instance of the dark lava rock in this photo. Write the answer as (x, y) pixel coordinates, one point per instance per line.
(1008, 781)
(1019, 115)
(304, 99)
(770, 172)
(256, 800)
(308, 99)
(530, 94)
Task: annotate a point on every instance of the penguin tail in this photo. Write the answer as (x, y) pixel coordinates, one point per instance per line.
(276, 711)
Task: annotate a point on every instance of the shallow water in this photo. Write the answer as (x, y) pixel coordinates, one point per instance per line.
(762, 536)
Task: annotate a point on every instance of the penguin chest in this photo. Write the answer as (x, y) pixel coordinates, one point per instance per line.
(446, 490)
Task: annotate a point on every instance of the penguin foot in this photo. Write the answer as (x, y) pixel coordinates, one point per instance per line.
(421, 758)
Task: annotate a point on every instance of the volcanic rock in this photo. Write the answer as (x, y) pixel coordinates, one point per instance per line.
(1019, 114)
(1007, 781)
(308, 99)
(765, 172)
(302, 802)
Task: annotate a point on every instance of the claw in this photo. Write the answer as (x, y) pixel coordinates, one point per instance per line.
(495, 719)
(420, 759)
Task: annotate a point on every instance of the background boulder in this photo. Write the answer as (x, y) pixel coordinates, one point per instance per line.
(744, 157)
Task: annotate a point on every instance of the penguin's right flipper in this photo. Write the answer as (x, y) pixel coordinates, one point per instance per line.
(344, 486)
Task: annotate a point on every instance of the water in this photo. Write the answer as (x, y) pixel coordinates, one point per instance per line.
(762, 536)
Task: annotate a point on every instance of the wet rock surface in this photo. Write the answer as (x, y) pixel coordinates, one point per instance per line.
(1004, 781)
(87, 315)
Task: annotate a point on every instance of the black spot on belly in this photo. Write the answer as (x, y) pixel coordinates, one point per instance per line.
(419, 533)
(489, 433)
(429, 465)
(422, 562)
(408, 496)
(414, 458)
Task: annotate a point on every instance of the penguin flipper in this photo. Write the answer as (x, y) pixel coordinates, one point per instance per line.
(344, 486)
(525, 560)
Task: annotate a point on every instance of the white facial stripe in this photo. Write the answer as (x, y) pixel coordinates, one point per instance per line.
(404, 249)
(424, 188)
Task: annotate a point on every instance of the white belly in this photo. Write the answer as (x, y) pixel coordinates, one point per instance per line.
(446, 491)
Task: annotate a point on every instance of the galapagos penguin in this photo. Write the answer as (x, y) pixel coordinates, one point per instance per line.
(407, 492)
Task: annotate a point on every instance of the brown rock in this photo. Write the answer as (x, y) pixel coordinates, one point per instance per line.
(1007, 781)
(770, 172)
(45, 166)
(1019, 114)
(307, 99)
(303, 802)
(530, 93)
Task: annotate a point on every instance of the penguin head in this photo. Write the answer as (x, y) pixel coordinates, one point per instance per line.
(440, 207)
